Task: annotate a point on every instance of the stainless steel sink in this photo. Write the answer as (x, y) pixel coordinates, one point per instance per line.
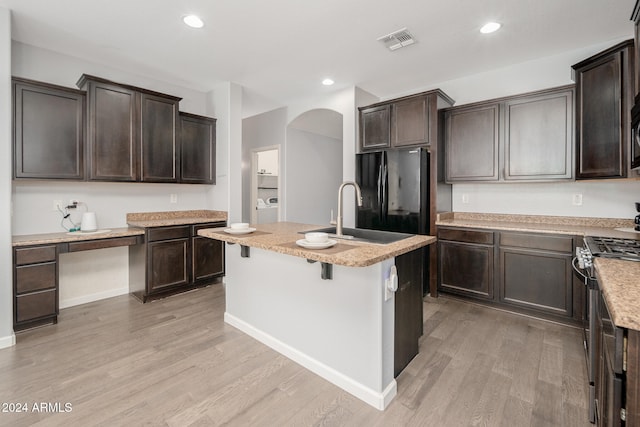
(364, 235)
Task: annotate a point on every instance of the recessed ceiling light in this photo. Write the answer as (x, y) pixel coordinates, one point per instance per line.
(193, 21)
(328, 82)
(490, 27)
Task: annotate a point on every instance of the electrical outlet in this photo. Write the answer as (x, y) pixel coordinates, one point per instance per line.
(465, 198)
(57, 204)
(173, 198)
(577, 199)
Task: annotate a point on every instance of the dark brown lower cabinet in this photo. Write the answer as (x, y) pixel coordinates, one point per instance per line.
(168, 263)
(529, 273)
(536, 272)
(35, 286)
(174, 259)
(207, 256)
(466, 262)
(408, 308)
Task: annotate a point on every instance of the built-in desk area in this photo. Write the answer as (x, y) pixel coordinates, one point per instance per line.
(35, 264)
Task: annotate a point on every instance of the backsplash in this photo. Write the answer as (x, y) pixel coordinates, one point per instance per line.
(601, 198)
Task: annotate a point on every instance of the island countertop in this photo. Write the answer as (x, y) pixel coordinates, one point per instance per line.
(618, 280)
(281, 237)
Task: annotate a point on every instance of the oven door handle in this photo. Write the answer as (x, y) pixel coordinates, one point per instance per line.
(577, 269)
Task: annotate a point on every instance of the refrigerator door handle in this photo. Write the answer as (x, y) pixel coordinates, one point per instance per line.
(379, 185)
(384, 202)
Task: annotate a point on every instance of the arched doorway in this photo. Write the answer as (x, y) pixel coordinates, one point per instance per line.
(314, 166)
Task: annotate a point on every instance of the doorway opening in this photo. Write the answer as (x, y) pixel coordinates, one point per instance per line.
(265, 185)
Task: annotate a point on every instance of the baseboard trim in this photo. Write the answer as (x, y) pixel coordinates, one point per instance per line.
(378, 400)
(8, 341)
(93, 297)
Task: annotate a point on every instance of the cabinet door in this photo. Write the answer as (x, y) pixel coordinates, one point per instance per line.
(168, 264)
(375, 127)
(113, 132)
(159, 150)
(198, 149)
(539, 137)
(602, 98)
(537, 280)
(208, 258)
(48, 131)
(208, 255)
(466, 269)
(410, 122)
(408, 308)
(472, 137)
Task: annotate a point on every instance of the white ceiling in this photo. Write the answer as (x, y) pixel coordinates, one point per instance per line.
(280, 50)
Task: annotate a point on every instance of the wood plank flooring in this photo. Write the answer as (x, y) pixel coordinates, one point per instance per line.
(174, 362)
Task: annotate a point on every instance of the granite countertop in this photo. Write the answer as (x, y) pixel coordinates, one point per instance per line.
(580, 226)
(161, 219)
(618, 280)
(76, 236)
(281, 237)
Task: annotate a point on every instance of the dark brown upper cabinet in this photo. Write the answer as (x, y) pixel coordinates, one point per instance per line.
(375, 127)
(410, 122)
(48, 131)
(160, 136)
(604, 97)
(198, 147)
(403, 122)
(472, 142)
(517, 138)
(539, 136)
(635, 17)
(132, 132)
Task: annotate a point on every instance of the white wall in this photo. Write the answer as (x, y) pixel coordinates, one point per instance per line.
(611, 199)
(33, 200)
(7, 338)
(262, 130)
(314, 171)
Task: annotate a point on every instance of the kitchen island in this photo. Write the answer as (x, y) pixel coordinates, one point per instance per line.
(329, 310)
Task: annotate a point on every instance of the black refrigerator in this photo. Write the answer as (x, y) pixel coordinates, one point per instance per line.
(395, 194)
(395, 190)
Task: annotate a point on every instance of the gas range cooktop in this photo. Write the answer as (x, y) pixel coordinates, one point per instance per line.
(610, 247)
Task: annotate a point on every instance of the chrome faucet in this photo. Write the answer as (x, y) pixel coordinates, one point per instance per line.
(358, 198)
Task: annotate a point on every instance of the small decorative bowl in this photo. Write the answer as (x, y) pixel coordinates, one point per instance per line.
(240, 226)
(316, 237)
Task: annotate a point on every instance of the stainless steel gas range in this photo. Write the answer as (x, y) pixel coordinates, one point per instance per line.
(607, 247)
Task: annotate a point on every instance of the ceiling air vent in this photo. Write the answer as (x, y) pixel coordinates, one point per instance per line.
(397, 39)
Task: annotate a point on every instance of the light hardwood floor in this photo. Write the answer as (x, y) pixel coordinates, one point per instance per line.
(174, 362)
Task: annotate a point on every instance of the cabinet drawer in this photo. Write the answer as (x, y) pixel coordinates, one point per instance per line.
(207, 225)
(104, 243)
(36, 305)
(535, 241)
(467, 236)
(35, 255)
(168, 233)
(35, 277)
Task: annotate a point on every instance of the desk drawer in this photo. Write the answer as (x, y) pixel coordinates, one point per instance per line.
(105, 243)
(36, 305)
(31, 278)
(35, 255)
